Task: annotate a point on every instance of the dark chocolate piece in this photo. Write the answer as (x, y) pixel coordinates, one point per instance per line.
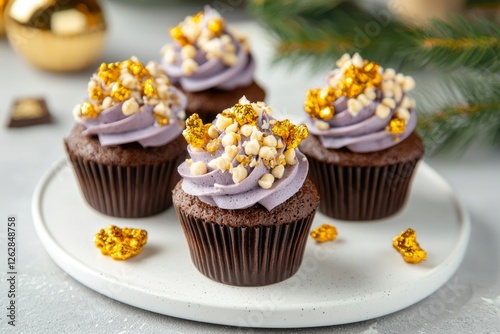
(28, 112)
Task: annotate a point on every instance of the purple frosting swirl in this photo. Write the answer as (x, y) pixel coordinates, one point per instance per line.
(365, 132)
(112, 127)
(211, 72)
(217, 188)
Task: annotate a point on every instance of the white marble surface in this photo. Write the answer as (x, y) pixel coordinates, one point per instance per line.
(50, 301)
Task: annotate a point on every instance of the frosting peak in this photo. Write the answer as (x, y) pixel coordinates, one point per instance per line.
(205, 54)
(130, 102)
(363, 107)
(243, 158)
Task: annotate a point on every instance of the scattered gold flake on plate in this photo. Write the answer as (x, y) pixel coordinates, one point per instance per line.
(324, 233)
(120, 244)
(406, 243)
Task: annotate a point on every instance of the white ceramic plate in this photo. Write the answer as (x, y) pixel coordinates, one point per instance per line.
(358, 277)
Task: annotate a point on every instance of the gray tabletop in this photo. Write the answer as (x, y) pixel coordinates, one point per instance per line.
(51, 301)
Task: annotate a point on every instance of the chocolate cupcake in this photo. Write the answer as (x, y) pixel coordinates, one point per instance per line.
(127, 141)
(363, 148)
(244, 201)
(211, 64)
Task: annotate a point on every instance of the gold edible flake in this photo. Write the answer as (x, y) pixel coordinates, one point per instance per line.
(291, 133)
(196, 133)
(396, 126)
(406, 243)
(324, 233)
(242, 113)
(319, 102)
(216, 26)
(120, 244)
(178, 36)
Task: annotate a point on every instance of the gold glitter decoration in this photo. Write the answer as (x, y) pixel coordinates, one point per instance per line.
(161, 120)
(149, 88)
(396, 126)
(291, 134)
(120, 92)
(109, 73)
(197, 17)
(356, 80)
(406, 243)
(324, 233)
(178, 36)
(97, 94)
(196, 133)
(242, 113)
(319, 102)
(136, 68)
(120, 244)
(88, 110)
(216, 26)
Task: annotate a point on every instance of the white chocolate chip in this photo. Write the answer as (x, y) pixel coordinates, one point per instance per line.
(387, 85)
(246, 130)
(364, 100)
(239, 173)
(370, 93)
(191, 31)
(399, 78)
(252, 147)
(229, 59)
(189, 66)
(221, 163)
(403, 114)
(229, 139)
(169, 56)
(232, 128)
(270, 140)
(161, 109)
(107, 102)
(188, 51)
(389, 73)
(243, 100)
(382, 111)
(231, 151)
(153, 69)
(357, 60)
(345, 57)
(256, 134)
(198, 168)
(130, 107)
(387, 101)
(267, 152)
(290, 157)
(407, 102)
(189, 162)
(354, 106)
(213, 48)
(280, 144)
(278, 171)
(398, 93)
(408, 83)
(266, 181)
(222, 122)
(321, 125)
(212, 132)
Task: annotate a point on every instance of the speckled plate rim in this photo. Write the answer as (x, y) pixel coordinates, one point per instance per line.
(267, 312)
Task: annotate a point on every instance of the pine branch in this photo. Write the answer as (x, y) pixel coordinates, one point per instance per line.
(463, 108)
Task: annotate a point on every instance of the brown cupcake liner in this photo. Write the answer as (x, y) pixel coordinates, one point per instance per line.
(246, 256)
(361, 193)
(127, 192)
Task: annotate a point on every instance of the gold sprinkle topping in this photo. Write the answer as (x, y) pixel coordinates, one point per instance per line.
(396, 126)
(324, 233)
(120, 244)
(161, 120)
(197, 17)
(88, 110)
(120, 92)
(109, 73)
(406, 243)
(149, 88)
(291, 133)
(178, 36)
(356, 80)
(196, 133)
(242, 113)
(319, 102)
(216, 26)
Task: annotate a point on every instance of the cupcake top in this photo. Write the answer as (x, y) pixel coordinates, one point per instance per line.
(130, 102)
(204, 54)
(364, 107)
(243, 158)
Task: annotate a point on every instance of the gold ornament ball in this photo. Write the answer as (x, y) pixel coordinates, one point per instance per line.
(56, 35)
(3, 4)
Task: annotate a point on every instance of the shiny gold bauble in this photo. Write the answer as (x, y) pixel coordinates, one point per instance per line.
(3, 4)
(56, 35)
